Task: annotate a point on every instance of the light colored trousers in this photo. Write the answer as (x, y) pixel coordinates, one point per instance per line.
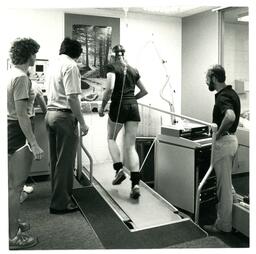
(223, 159)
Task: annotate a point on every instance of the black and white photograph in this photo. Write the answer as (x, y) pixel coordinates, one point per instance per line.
(96, 44)
(129, 126)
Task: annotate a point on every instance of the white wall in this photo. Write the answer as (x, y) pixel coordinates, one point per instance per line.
(149, 40)
(44, 26)
(199, 51)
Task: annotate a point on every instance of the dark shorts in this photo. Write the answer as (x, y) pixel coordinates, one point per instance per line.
(128, 112)
(16, 138)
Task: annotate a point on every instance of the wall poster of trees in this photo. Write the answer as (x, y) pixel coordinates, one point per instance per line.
(96, 44)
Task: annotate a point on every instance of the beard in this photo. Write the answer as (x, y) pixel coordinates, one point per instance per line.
(211, 86)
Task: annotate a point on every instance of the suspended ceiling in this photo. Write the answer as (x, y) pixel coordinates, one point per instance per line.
(170, 11)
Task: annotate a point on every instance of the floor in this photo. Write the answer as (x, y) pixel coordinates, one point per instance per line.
(233, 240)
(207, 215)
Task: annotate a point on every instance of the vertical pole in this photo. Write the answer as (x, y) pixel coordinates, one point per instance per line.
(221, 28)
(197, 204)
(79, 153)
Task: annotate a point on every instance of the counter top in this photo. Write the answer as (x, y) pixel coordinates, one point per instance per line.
(243, 136)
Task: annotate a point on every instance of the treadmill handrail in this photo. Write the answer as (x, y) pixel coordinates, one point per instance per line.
(178, 115)
(214, 128)
(79, 157)
(203, 181)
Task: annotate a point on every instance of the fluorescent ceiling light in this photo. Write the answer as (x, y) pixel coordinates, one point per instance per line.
(243, 18)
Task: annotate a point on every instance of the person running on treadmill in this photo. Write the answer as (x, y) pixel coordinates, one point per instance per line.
(121, 82)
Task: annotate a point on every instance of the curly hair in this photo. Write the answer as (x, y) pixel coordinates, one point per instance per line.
(71, 47)
(22, 49)
(218, 72)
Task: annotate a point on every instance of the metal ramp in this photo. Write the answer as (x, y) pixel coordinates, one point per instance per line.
(150, 210)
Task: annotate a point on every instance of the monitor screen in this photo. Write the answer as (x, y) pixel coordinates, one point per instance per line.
(39, 68)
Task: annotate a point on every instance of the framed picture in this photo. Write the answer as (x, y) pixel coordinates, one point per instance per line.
(97, 36)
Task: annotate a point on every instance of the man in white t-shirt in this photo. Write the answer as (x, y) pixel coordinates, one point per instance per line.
(63, 85)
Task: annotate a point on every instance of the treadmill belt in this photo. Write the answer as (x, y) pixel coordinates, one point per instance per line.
(114, 234)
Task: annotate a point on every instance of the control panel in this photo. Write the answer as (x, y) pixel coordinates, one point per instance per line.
(37, 72)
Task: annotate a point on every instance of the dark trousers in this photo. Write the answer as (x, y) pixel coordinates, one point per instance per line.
(63, 140)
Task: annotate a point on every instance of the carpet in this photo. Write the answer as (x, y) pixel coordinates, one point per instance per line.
(67, 231)
(207, 242)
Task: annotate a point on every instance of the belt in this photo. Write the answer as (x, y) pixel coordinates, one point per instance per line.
(225, 133)
(67, 110)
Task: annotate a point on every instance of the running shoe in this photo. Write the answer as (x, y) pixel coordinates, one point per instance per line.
(135, 192)
(120, 176)
(22, 241)
(28, 189)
